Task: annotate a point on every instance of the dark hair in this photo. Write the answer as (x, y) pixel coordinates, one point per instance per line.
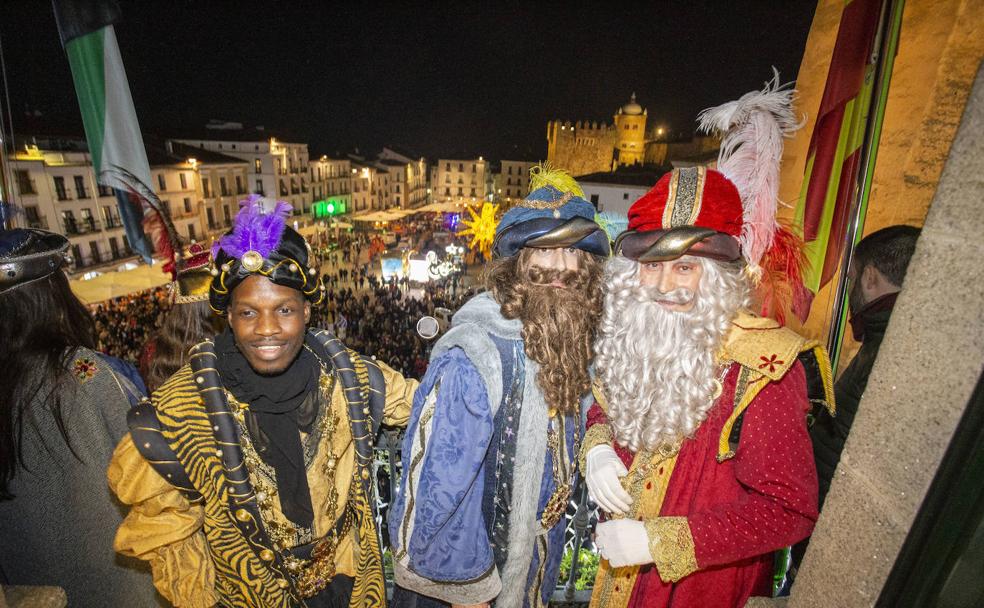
(42, 324)
(185, 326)
(888, 250)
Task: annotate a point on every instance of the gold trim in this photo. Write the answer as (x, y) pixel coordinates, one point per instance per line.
(599, 434)
(556, 204)
(671, 545)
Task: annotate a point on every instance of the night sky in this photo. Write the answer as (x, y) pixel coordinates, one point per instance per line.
(454, 80)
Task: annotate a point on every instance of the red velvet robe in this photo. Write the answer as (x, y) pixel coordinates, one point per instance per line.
(742, 509)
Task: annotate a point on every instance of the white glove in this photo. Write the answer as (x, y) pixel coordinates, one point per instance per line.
(623, 542)
(604, 488)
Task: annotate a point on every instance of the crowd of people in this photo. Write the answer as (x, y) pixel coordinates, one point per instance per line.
(124, 324)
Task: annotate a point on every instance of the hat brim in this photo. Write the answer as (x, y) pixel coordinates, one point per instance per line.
(666, 245)
(547, 233)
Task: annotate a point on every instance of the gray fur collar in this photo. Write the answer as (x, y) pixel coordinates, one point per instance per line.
(484, 311)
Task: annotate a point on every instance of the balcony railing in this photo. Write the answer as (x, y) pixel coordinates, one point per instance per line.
(38, 222)
(83, 226)
(113, 222)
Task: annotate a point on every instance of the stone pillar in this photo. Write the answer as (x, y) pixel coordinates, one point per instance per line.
(929, 363)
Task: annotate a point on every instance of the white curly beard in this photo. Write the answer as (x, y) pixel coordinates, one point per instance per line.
(658, 366)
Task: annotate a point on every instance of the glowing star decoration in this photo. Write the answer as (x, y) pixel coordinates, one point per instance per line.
(481, 228)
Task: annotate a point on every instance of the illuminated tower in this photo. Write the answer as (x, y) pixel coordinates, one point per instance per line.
(630, 126)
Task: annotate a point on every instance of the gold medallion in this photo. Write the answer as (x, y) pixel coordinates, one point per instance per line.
(252, 261)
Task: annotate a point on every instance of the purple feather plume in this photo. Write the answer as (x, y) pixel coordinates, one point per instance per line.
(255, 229)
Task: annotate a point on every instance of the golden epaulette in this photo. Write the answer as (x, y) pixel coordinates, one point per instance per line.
(766, 351)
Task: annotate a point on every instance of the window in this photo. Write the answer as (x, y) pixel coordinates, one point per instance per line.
(510, 170)
(223, 186)
(206, 187)
(625, 196)
(461, 166)
(240, 189)
(447, 192)
(191, 232)
(398, 187)
(184, 181)
(167, 207)
(114, 247)
(104, 190)
(257, 165)
(226, 215)
(34, 219)
(473, 192)
(161, 182)
(77, 256)
(94, 250)
(448, 167)
(187, 204)
(110, 220)
(60, 191)
(80, 191)
(283, 188)
(259, 187)
(88, 222)
(25, 185)
(459, 191)
(211, 219)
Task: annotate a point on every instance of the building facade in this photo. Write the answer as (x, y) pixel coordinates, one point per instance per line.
(512, 181)
(331, 186)
(277, 169)
(408, 178)
(55, 186)
(462, 180)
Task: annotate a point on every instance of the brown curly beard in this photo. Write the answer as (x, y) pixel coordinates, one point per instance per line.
(559, 323)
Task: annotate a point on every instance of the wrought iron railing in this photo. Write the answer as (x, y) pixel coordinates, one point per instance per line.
(580, 556)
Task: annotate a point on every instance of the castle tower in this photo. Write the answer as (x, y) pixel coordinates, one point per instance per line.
(630, 126)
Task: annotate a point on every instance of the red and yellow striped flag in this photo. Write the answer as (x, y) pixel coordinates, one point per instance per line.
(834, 152)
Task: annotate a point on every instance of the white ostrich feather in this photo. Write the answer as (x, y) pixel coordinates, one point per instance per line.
(752, 129)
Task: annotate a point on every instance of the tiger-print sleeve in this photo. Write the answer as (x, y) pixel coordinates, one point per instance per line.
(163, 528)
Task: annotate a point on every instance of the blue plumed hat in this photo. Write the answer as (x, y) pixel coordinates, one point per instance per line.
(554, 214)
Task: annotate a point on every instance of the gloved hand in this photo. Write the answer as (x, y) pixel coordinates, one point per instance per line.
(604, 488)
(623, 542)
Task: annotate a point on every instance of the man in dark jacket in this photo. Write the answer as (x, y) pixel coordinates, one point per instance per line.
(876, 274)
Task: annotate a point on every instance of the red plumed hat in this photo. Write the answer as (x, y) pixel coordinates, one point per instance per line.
(728, 213)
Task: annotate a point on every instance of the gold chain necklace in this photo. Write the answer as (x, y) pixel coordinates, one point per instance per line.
(557, 504)
(314, 574)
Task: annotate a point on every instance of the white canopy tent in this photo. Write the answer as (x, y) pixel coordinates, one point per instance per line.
(112, 283)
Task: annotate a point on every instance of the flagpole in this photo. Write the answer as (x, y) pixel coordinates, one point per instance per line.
(890, 25)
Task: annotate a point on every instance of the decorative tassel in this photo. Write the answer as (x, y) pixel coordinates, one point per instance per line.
(545, 175)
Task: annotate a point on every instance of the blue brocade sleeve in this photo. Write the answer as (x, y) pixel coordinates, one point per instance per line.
(437, 529)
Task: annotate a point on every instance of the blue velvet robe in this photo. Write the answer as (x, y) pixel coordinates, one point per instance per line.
(456, 532)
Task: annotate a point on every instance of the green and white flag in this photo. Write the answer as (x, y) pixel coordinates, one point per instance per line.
(111, 128)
